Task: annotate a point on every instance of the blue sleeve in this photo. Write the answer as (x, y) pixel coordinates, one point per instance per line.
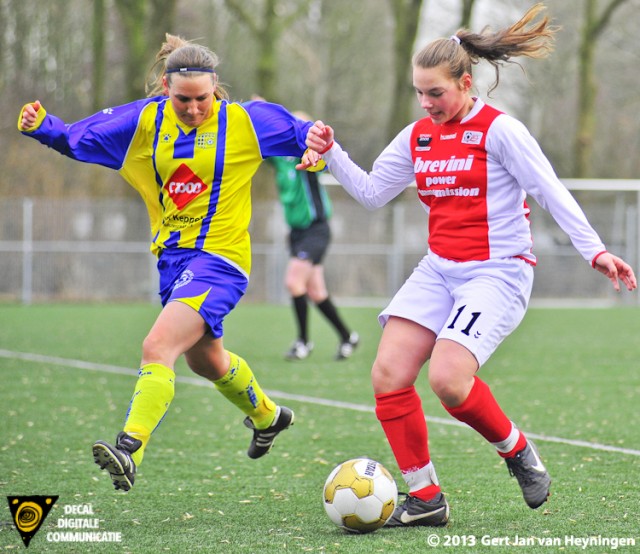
(102, 138)
(279, 132)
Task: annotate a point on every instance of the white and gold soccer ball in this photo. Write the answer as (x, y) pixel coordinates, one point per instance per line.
(360, 495)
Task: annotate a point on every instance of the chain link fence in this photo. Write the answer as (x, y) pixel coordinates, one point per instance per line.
(98, 249)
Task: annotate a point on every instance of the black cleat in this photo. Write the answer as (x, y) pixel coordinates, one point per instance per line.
(117, 460)
(531, 474)
(262, 440)
(414, 512)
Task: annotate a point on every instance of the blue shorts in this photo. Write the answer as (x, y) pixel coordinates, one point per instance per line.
(206, 282)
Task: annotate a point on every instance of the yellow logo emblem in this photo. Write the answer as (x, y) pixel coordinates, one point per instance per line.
(29, 513)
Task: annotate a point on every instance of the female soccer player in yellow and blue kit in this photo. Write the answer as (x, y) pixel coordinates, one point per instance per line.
(191, 155)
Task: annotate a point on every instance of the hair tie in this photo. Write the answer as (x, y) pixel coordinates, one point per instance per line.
(455, 38)
(185, 69)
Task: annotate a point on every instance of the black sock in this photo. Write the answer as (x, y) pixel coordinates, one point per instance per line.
(331, 313)
(300, 310)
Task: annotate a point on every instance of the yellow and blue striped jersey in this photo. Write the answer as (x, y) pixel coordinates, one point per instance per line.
(195, 182)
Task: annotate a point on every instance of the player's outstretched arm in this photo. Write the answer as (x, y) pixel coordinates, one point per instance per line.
(616, 269)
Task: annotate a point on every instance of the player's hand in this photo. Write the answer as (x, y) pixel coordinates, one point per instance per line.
(319, 137)
(616, 269)
(30, 115)
(309, 159)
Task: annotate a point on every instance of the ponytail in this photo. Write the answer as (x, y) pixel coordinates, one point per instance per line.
(465, 48)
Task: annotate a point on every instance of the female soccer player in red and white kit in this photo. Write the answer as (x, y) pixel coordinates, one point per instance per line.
(473, 166)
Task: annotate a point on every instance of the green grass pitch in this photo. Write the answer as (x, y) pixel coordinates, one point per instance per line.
(570, 378)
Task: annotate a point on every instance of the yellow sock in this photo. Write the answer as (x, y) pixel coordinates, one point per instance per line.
(240, 386)
(151, 399)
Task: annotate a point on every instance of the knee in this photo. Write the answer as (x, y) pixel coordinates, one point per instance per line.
(152, 348)
(295, 286)
(317, 296)
(159, 348)
(378, 376)
(317, 290)
(388, 377)
(451, 391)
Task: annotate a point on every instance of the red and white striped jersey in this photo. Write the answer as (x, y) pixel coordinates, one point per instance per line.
(472, 177)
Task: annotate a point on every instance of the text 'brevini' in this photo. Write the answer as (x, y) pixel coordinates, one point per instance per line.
(443, 166)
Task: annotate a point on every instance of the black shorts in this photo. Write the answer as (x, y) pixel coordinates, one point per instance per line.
(310, 243)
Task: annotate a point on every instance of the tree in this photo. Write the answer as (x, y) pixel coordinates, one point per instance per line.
(99, 53)
(467, 11)
(266, 26)
(406, 15)
(145, 23)
(593, 27)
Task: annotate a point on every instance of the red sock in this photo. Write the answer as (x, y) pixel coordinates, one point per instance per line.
(402, 418)
(481, 412)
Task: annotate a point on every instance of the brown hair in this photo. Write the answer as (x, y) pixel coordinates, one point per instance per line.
(465, 48)
(175, 53)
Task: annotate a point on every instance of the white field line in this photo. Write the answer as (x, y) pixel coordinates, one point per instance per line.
(201, 382)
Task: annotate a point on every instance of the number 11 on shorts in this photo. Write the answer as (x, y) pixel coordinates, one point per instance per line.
(467, 329)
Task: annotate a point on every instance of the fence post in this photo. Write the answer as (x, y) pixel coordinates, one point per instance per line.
(27, 250)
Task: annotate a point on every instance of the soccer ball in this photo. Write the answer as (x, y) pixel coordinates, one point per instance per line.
(360, 495)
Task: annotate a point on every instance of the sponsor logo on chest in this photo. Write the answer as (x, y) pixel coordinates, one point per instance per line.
(450, 171)
(450, 165)
(184, 186)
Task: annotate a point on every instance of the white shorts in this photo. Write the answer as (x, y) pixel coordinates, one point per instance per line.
(476, 304)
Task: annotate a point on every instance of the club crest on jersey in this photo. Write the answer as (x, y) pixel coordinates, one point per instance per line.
(206, 140)
(184, 186)
(423, 141)
(472, 137)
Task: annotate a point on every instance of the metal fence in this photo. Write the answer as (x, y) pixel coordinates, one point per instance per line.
(98, 250)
